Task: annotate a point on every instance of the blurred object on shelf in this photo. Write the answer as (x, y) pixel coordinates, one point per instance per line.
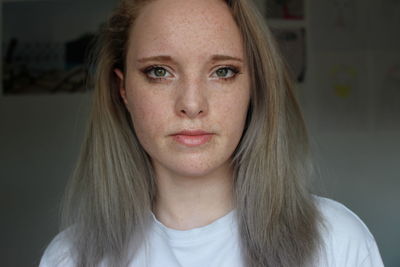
(293, 47)
(45, 46)
(45, 67)
(285, 9)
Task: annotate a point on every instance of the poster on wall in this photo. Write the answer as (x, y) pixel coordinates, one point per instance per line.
(50, 55)
(343, 95)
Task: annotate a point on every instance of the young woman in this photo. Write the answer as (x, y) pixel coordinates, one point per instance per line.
(196, 153)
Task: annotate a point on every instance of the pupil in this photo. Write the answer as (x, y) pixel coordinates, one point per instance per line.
(222, 72)
(160, 72)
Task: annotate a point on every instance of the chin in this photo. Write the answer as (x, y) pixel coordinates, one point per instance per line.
(193, 173)
(192, 164)
(199, 168)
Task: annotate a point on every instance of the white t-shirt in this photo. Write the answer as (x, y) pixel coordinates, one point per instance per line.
(347, 243)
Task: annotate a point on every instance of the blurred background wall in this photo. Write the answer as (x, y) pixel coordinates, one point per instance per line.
(351, 59)
(40, 132)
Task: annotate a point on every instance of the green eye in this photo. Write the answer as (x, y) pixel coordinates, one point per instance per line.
(157, 73)
(160, 72)
(222, 72)
(226, 73)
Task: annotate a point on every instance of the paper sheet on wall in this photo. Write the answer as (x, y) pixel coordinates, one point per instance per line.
(342, 95)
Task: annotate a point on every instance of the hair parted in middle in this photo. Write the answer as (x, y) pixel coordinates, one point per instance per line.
(109, 198)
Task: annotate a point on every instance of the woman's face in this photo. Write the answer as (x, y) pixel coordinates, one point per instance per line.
(186, 85)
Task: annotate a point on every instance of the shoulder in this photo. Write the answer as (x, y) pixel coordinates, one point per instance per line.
(58, 252)
(347, 240)
(341, 220)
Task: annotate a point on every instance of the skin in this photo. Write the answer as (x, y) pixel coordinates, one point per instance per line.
(194, 183)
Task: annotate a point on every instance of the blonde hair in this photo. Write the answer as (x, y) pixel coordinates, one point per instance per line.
(108, 199)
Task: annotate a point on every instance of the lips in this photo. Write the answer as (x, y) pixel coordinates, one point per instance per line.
(192, 138)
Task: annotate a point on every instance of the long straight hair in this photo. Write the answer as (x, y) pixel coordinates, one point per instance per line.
(109, 197)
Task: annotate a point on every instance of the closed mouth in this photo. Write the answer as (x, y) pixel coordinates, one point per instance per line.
(192, 138)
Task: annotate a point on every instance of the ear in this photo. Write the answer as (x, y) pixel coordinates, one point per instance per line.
(122, 89)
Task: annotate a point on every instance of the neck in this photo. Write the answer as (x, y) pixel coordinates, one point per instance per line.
(184, 203)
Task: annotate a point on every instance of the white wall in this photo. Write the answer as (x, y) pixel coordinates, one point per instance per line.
(361, 171)
(356, 147)
(40, 137)
(39, 143)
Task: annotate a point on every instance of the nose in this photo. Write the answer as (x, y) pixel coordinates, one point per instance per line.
(192, 100)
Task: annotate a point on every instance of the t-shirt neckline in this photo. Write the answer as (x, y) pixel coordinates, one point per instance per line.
(221, 225)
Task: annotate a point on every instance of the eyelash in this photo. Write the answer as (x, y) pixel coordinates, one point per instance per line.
(147, 70)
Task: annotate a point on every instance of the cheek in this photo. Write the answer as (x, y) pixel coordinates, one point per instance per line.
(233, 110)
(238, 119)
(147, 113)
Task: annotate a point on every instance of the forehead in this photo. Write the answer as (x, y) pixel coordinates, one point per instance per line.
(187, 28)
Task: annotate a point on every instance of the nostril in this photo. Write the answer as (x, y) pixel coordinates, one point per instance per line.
(191, 114)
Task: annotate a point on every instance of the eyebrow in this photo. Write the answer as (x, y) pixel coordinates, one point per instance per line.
(214, 58)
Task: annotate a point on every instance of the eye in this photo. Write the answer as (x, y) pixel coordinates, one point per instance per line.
(226, 73)
(156, 72)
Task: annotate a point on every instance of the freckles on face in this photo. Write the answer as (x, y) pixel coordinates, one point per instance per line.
(186, 70)
(148, 110)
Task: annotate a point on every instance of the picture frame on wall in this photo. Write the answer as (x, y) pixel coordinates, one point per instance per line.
(292, 45)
